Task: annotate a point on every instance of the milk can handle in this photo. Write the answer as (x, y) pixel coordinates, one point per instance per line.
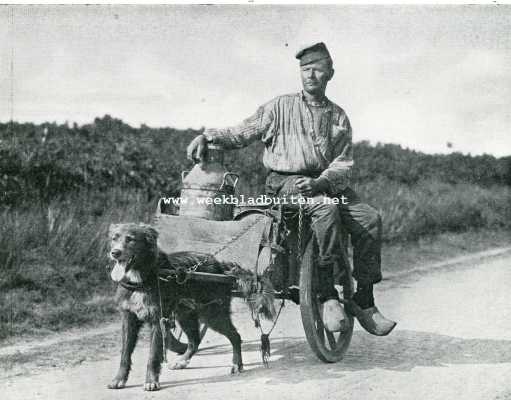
(236, 177)
(183, 175)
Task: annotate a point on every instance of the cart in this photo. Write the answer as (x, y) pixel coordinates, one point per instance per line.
(293, 253)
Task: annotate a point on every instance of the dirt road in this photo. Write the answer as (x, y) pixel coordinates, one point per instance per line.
(453, 341)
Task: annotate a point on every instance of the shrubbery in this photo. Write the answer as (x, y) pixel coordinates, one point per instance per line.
(49, 161)
(431, 207)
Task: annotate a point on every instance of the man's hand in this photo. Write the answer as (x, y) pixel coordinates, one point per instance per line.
(196, 150)
(310, 187)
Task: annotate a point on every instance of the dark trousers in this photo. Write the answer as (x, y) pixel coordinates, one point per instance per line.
(362, 222)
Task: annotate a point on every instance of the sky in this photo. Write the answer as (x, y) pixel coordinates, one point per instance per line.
(415, 75)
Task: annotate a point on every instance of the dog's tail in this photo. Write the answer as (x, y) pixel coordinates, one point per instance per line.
(257, 291)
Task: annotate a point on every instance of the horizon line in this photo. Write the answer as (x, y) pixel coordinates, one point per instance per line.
(70, 125)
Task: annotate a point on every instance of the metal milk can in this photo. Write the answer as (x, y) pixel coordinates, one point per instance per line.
(208, 189)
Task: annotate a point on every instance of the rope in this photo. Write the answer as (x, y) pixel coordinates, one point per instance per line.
(163, 322)
(300, 232)
(265, 337)
(282, 303)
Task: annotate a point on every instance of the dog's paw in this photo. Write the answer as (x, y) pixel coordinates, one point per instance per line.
(151, 386)
(117, 384)
(180, 363)
(236, 369)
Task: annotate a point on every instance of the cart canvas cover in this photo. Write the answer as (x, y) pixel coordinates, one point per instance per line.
(241, 239)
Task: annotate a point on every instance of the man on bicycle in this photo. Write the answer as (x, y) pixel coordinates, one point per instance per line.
(308, 152)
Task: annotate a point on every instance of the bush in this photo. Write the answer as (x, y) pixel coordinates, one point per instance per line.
(432, 207)
(48, 161)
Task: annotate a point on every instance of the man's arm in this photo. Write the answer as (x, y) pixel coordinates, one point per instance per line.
(254, 127)
(251, 129)
(338, 172)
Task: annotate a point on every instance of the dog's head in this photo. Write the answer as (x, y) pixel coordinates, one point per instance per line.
(133, 248)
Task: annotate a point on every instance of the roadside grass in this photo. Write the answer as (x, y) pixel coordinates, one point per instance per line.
(405, 256)
(53, 256)
(431, 207)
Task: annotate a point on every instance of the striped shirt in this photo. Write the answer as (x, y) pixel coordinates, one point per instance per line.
(292, 145)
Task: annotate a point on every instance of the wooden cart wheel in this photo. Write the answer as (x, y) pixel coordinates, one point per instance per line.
(177, 340)
(328, 346)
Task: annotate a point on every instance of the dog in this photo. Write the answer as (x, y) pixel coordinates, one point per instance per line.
(137, 264)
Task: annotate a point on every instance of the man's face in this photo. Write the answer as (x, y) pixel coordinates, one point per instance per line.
(315, 76)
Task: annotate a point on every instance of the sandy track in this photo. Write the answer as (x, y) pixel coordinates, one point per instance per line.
(453, 341)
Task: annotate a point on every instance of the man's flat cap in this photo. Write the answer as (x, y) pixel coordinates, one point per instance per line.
(313, 52)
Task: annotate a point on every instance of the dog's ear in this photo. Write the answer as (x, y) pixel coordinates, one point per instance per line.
(151, 235)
